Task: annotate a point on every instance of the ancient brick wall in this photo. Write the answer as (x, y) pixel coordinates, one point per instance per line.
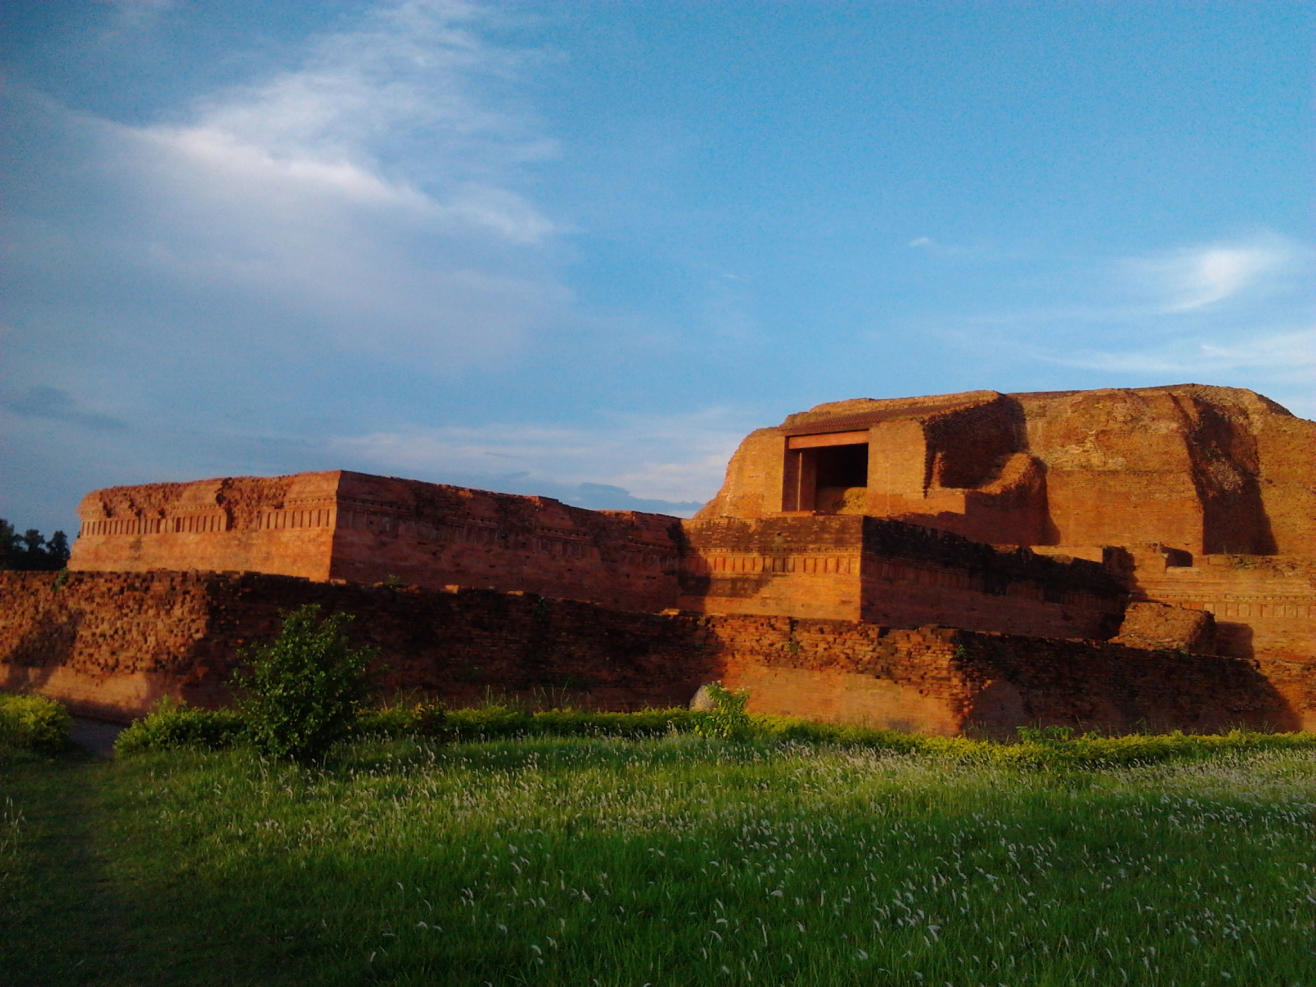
(915, 575)
(968, 445)
(807, 566)
(1160, 625)
(1286, 454)
(110, 643)
(1118, 467)
(1115, 688)
(754, 479)
(892, 574)
(433, 535)
(938, 680)
(1203, 469)
(113, 643)
(344, 525)
(1264, 607)
(262, 524)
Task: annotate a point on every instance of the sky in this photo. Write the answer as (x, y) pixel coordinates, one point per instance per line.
(581, 249)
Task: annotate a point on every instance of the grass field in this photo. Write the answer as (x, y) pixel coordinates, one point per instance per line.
(678, 860)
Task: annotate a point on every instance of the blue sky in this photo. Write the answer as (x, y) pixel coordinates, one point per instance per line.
(580, 249)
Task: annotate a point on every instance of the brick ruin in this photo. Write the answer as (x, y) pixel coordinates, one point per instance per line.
(968, 562)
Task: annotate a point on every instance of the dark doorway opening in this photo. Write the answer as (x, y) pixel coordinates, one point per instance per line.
(831, 479)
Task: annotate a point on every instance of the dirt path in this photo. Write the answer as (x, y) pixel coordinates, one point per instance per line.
(57, 886)
(96, 737)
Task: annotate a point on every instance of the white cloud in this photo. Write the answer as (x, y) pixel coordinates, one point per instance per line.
(1233, 312)
(370, 199)
(223, 157)
(1204, 275)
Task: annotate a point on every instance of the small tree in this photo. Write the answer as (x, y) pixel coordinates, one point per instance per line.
(725, 717)
(303, 688)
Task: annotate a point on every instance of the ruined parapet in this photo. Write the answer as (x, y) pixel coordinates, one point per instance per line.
(1160, 625)
(879, 571)
(429, 534)
(112, 644)
(367, 529)
(282, 525)
(1263, 606)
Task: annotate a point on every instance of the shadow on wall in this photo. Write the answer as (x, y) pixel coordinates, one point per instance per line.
(1234, 639)
(39, 652)
(1225, 470)
(1114, 689)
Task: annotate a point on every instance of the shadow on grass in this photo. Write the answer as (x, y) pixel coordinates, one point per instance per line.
(101, 884)
(62, 922)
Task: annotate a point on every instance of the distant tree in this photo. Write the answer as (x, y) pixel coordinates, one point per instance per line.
(57, 550)
(30, 550)
(10, 553)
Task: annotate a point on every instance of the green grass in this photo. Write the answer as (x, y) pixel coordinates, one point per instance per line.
(673, 860)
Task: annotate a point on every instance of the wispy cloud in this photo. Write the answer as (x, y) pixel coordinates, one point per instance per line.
(1237, 312)
(977, 250)
(397, 112)
(56, 404)
(1286, 353)
(1200, 276)
(675, 458)
(374, 196)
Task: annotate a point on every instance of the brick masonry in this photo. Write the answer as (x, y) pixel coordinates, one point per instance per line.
(1169, 522)
(345, 525)
(113, 643)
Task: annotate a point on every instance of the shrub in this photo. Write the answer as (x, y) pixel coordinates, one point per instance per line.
(389, 721)
(172, 725)
(303, 689)
(726, 718)
(34, 722)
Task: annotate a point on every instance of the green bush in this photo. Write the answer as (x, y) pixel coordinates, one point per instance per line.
(172, 725)
(727, 719)
(34, 722)
(303, 689)
(389, 721)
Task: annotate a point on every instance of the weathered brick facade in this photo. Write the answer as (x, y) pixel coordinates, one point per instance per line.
(954, 562)
(365, 529)
(113, 643)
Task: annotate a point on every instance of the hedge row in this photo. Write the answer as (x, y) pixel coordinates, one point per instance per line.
(180, 726)
(37, 723)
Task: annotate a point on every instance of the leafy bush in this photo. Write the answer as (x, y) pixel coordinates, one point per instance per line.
(34, 722)
(172, 725)
(726, 719)
(390, 721)
(303, 689)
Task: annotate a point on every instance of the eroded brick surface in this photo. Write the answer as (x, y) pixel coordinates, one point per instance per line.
(1201, 469)
(1117, 537)
(113, 643)
(366, 529)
